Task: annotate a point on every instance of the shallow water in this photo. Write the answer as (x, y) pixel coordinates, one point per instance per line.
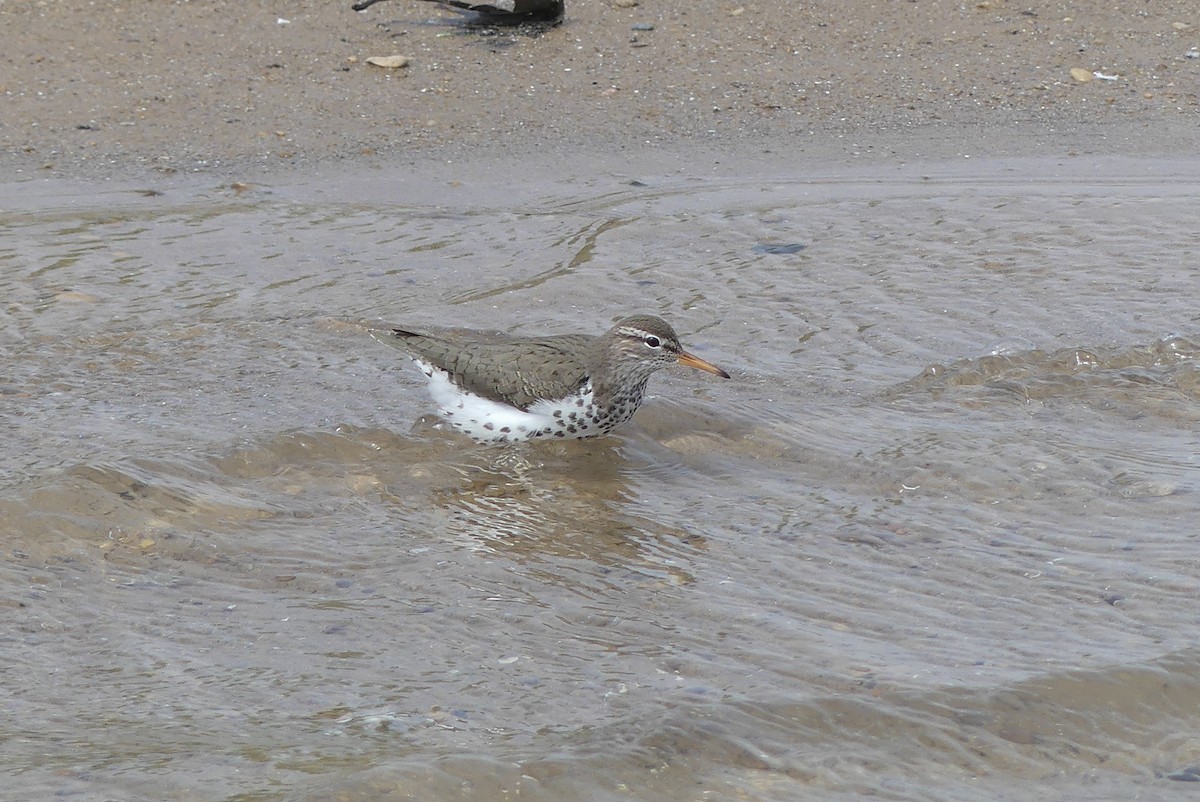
(936, 539)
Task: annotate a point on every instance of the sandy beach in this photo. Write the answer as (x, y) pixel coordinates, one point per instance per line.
(131, 89)
(933, 540)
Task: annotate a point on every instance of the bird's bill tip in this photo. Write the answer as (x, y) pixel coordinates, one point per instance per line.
(696, 362)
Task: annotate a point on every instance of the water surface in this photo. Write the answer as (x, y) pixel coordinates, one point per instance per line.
(935, 539)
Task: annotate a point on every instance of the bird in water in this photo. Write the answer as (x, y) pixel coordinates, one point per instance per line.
(500, 388)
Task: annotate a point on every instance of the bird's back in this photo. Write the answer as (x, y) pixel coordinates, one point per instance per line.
(516, 371)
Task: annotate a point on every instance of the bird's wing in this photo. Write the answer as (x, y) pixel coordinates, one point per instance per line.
(516, 372)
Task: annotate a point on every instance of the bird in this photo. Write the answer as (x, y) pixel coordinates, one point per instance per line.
(498, 388)
(503, 12)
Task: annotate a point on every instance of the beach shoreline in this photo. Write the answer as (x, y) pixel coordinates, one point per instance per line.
(249, 91)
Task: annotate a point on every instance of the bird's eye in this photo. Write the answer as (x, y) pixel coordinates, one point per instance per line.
(652, 341)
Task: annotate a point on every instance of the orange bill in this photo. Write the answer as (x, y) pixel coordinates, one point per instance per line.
(696, 362)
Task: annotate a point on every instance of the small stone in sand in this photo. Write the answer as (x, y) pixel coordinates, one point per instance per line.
(391, 62)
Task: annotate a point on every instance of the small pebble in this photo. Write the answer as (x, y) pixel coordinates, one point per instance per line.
(642, 26)
(389, 62)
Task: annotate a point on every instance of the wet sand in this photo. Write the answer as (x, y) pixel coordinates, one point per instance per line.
(126, 90)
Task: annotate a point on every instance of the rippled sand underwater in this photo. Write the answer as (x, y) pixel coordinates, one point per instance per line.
(934, 540)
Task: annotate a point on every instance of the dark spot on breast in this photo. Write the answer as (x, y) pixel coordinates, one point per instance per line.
(489, 426)
(559, 433)
(558, 413)
(578, 402)
(572, 429)
(506, 429)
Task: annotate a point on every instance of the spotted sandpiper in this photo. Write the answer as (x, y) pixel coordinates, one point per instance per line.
(499, 388)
